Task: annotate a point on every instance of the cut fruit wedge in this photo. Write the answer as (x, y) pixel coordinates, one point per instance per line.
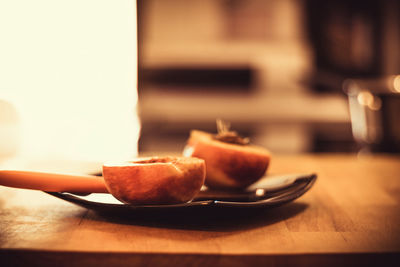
(228, 165)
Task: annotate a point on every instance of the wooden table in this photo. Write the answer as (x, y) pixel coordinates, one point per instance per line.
(350, 217)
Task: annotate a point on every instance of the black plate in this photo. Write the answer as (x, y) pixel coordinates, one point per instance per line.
(271, 191)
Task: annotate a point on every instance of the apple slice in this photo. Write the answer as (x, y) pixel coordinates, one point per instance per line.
(230, 161)
(155, 180)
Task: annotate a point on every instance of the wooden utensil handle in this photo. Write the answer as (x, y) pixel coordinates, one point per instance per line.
(52, 182)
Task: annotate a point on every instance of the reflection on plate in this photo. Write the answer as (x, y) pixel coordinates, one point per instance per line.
(271, 191)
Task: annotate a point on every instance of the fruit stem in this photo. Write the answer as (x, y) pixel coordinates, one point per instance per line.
(227, 136)
(223, 126)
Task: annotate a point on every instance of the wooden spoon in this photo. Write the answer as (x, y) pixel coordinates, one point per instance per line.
(53, 182)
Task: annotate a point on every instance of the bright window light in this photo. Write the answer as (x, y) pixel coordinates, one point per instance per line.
(70, 69)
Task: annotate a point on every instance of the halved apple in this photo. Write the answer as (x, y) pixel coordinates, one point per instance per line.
(230, 161)
(155, 180)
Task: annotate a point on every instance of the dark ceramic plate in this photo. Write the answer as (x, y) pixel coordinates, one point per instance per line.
(271, 191)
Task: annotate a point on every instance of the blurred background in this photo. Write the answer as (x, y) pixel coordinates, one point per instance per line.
(282, 72)
(81, 79)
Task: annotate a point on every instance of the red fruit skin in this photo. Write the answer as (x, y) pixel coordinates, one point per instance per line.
(228, 165)
(155, 183)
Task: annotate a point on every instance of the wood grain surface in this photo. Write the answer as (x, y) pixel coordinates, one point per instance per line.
(350, 217)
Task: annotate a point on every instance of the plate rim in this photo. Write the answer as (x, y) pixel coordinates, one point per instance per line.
(270, 201)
